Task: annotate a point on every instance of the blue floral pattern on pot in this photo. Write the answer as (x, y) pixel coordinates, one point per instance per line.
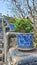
(25, 40)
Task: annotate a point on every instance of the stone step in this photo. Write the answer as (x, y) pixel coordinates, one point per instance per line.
(1, 55)
(1, 49)
(1, 62)
(1, 52)
(1, 45)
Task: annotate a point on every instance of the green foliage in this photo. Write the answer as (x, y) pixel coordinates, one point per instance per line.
(23, 25)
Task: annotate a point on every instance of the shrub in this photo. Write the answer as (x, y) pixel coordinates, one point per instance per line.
(23, 25)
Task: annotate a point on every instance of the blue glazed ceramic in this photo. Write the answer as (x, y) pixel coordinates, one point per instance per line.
(25, 40)
(11, 27)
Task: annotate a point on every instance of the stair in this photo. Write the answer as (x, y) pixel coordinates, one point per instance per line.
(1, 46)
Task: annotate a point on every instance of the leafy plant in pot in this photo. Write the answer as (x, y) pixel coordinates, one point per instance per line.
(23, 25)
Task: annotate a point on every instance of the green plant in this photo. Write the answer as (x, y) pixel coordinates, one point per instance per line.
(23, 25)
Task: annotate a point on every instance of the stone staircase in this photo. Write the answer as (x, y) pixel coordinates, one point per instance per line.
(1, 46)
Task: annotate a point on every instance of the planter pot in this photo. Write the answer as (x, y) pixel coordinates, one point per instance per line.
(11, 26)
(25, 40)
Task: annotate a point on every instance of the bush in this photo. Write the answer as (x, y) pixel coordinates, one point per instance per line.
(22, 25)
